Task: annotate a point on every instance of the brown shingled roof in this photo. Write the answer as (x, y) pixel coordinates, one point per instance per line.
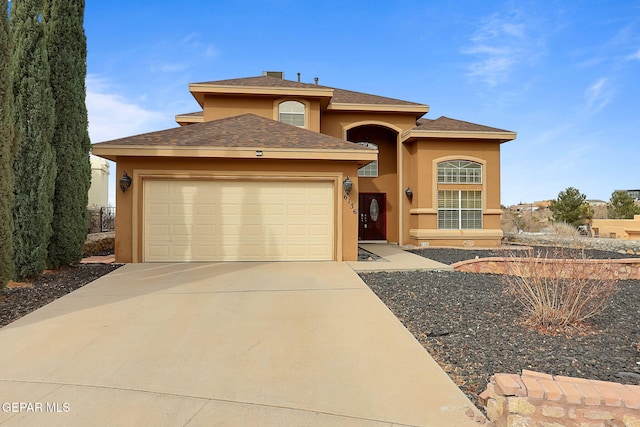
(351, 97)
(446, 124)
(263, 81)
(339, 95)
(247, 130)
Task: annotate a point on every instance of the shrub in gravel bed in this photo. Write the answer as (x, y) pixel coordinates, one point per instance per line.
(556, 288)
(474, 330)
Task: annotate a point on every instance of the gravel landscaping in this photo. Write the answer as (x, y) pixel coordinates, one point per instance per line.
(473, 329)
(19, 299)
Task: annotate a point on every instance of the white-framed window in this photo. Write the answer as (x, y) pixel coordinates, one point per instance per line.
(459, 172)
(459, 209)
(292, 113)
(370, 170)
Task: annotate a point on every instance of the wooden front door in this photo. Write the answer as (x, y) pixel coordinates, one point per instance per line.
(373, 218)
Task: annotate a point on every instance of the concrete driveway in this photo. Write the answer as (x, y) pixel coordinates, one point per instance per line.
(269, 344)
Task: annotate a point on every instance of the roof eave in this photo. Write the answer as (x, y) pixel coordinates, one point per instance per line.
(199, 90)
(447, 134)
(182, 119)
(384, 108)
(113, 151)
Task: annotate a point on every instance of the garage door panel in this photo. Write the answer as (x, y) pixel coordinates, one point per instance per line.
(237, 220)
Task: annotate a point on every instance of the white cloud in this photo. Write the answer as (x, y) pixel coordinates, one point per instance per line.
(598, 95)
(112, 115)
(502, 43)
(634, 56)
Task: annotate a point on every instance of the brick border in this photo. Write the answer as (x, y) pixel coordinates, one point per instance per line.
(535, 398)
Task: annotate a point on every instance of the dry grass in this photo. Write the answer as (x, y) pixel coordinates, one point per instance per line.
(564, 230)
(558, 288)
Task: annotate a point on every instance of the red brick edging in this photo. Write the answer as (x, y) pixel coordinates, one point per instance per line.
(625, 268)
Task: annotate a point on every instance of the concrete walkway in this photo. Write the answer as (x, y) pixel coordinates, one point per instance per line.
(269, 344)
(394, 259)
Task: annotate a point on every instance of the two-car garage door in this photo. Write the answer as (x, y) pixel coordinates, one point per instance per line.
(234, 220)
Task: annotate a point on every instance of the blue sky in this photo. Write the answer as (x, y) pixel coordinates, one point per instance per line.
(564, 75)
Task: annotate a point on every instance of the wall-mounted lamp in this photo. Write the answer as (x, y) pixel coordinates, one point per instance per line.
(125, 182)
(347, 185)
(409, 193)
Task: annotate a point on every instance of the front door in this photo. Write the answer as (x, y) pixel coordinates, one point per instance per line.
(373, 219)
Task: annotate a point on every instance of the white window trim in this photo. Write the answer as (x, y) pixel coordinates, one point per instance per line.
(367, 170)
(459, 209)
(293, 113)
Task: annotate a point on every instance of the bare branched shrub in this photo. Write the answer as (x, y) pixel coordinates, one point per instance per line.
(558, 287)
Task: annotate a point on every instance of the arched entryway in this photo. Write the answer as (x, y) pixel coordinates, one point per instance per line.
(377, 184)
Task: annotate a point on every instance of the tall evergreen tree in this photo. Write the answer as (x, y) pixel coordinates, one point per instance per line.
(34, 165)
(566, 208)
(67, 50)
(622, 206)
(8, 147)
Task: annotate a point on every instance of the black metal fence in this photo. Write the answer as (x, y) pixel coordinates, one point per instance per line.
(102, 219)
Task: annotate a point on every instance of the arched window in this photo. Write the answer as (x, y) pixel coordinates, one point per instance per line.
(292, 113)
(459, 172)
(461, 208)
(370, 170)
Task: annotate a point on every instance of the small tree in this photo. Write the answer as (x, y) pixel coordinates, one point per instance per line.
(622, 206)
(566, 208)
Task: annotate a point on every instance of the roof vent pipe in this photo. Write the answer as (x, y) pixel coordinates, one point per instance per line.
(316, 80)
(298, 77)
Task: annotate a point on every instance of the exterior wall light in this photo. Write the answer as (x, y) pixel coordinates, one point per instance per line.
(347, 185)
(125, 182)
(409, 193)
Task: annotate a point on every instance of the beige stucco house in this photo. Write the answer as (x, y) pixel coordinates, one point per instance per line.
(627, 229)
(274, 169)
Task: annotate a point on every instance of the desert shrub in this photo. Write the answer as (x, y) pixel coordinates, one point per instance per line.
(564, 230)
(557, 287)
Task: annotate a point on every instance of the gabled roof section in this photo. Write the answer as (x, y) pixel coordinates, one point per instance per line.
(334, 98)
(244, 136)
(445, 127)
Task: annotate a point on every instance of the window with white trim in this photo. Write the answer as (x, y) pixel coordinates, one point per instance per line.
(370, 170)
(292, 113)
(459, 172)
(459, 209)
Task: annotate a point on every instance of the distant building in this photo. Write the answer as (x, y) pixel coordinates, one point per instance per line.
(99, 190)
(628, 229)
(634, 193)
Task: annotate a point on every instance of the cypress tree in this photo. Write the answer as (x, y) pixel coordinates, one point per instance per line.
(8, 146)
(67, 50)
(34, 165)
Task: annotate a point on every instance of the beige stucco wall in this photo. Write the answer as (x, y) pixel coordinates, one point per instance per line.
(421, 175)
(220, 107)
(99, 190)
(128, 246)
(628, 229)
